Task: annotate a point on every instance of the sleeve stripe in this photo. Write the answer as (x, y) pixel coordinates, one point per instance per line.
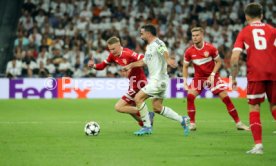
(105, 61)
(186, 62)
(217, 57)
(237, 49)
(139, 57)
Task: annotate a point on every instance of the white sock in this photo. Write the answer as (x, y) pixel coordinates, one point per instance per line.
(171, 114)
(144, 113)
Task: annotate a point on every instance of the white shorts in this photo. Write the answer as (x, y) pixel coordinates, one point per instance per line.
(156, 89)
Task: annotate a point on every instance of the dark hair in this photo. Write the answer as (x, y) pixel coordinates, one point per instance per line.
(254, 10)
(150, 28)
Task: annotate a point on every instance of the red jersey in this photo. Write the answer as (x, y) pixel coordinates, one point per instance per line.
(203, 59)
(258, 39)
(127, 56)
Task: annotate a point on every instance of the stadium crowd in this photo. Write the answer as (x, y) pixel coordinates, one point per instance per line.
(58, 37)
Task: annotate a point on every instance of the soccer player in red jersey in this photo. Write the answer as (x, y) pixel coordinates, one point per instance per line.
(137, 77)
(258, 39)
(206, 61)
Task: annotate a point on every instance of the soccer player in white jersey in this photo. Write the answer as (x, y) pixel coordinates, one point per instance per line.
(156, 58)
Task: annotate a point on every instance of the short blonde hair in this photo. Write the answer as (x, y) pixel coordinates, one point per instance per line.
(113, 40)
(197, 29)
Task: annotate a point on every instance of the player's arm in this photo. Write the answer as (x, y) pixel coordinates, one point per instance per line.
(169, 60)
(217, 65)
(236, 52)
(98, 66)
(139, 63)
(163, 50)
(235, 64)
(215, 70)
(185, 75)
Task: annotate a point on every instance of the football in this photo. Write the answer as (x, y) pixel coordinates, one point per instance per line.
(92, 128)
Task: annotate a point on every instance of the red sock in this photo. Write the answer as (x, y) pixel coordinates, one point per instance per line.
(192, 116)
(256, 126)
(140, 123)
(191, 107)
(274, 114)
(231, 109)
(138, 114)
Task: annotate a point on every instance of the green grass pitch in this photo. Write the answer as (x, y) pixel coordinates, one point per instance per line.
(50, 133)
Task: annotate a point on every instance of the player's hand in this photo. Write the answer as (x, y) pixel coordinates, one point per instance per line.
(91, 63)
(210, 80)
(127, 67)
(186, 87)
(172, 63)
(234, 84)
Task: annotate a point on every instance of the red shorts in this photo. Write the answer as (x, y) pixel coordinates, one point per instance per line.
(129, 96)
(132, 91)
(256, 91)
(199, 84)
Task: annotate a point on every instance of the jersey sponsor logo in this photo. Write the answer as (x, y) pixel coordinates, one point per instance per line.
(206, 53)
(194, 55)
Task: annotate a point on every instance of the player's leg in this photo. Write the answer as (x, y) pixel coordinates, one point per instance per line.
(273, 112)
(194, 89)
(256, 129)
(191, 109)
(140, 99)
(232, 110)
(157, 104)
(219, 89)
(271, 95)
(255, 95)
(165, 111)
(124, 106)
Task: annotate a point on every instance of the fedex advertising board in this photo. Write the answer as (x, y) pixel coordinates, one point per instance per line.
(47, 88)
(67, 88)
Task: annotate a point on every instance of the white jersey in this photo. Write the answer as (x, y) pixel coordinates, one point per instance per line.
(155, 60)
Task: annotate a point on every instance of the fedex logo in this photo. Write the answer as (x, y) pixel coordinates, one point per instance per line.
(68, 86)
(46, 88)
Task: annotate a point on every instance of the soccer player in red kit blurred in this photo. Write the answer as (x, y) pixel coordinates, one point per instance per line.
(258, 39)
(137, 77)
(206, 61)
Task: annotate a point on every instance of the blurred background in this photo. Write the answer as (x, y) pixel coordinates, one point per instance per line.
(41, 38)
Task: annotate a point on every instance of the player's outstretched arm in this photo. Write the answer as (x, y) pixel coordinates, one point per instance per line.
(235, 66)
(139, 63)
(99, 66)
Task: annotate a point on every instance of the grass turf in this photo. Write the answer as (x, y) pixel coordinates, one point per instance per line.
(50, 132)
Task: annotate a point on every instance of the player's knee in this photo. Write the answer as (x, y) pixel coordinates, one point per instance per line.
(223, 94)
(254, 107)
(138, 100)
(118, 108)
(157, 109)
